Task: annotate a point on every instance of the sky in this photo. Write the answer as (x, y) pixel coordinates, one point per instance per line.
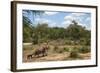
(61, 19)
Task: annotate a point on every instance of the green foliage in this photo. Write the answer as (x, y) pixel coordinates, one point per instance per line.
(27, 30)
(84, 49)
(66, 49)
(27, 27)
(74, 34)
(58, 49)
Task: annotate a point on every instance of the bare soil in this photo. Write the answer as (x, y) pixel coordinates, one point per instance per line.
(53, 57)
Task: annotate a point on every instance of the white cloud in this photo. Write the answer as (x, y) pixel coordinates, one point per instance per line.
(37, 19)
(50, 13)
(45, 21)
(42, 20)
(81, 24)
(78, 17)
(88, 19)
(66, 22)
(78, 14)
(75, 16)
(52, 24)
(85, 25)
(69, 17)
(49, 22)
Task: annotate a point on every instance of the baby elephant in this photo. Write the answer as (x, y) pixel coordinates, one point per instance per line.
(29, 56)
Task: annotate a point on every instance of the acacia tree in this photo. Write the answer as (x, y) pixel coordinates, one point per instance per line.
(77, 32)
(40, 33)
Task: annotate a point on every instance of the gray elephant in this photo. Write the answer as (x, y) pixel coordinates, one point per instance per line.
(40, 52)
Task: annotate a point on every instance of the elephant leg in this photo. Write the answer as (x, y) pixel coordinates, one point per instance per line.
(29, 57)
(45, 54)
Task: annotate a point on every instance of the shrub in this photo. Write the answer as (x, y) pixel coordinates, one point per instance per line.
(66, 49)
(55, 49)
(74, 54)
(84, 49)
(67, 42)
(58, 50)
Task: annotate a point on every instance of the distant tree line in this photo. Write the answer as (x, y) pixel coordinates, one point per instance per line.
(43, 33)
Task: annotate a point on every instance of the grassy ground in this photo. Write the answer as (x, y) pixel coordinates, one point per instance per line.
(58, 53)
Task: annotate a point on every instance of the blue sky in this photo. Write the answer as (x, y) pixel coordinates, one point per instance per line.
(62, 19)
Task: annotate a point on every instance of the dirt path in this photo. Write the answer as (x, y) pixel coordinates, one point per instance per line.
(52, 57)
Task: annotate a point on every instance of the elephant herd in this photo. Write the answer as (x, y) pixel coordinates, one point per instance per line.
(39, 52)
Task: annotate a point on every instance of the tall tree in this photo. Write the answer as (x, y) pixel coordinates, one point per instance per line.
(27, 23)
(77, 32)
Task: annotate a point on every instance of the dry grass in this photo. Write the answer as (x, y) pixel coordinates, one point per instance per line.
(54, 57)
(55, 53)
(50, 57)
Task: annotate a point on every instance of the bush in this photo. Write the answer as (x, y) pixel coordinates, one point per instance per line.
(74, 54)
(66, 49)
(84, 49)
(55, 49)
(67, 42)
(58, 50)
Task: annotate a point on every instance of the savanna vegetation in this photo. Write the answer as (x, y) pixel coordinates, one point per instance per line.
(70, 43)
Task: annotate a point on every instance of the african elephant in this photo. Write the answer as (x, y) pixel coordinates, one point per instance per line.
(40, 52)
